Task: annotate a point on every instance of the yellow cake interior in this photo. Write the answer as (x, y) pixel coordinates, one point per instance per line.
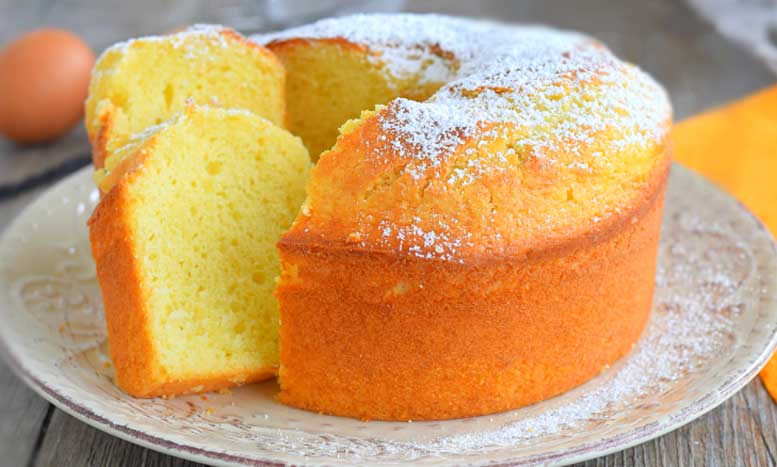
(329, 82)
(218, 189)
(147, 81)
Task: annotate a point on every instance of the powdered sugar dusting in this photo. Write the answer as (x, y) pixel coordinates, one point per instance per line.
(405, 44)
(552, 96)
(562, 88)
(531, 76)
(430, 243)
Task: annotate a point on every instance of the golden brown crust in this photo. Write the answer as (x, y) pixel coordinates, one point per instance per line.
(134, 356)
(127, 318)
(300, 233)
(351, 168)
(372, 335)
(213, 382)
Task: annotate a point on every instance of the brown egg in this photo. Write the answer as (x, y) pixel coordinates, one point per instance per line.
(44, 79)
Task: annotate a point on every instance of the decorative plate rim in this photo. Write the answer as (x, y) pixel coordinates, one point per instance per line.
(695, 409)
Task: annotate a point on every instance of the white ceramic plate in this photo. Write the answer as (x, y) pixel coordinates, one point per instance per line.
(713, 327)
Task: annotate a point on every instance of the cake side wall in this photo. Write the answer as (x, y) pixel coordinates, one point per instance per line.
(376, 336)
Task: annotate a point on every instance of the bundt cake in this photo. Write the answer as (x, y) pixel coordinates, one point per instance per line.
(146, 81)
(482, 239)
(184, 243)
(487, 248)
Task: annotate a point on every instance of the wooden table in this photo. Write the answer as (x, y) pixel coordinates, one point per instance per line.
(698, 66)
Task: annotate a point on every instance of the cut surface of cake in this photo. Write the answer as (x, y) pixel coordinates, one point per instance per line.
(333, 77)
(184, 243)
(146, 81)
(487, 248)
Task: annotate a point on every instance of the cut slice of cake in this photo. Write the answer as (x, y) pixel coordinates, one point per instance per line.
(143, 82)
(184, 242)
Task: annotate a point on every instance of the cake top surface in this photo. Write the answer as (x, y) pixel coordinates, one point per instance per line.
(186, 39)
(404, 43)
(504, 61)
(536, 134)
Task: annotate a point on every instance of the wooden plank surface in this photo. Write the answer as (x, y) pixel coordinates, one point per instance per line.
(23, 414)
(699, 68)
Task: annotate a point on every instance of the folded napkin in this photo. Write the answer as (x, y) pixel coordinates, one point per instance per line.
(736, 147)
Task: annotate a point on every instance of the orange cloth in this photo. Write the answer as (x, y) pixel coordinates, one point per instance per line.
(736, 146)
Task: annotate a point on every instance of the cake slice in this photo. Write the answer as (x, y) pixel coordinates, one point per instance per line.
(143, 82)
(184, 243)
